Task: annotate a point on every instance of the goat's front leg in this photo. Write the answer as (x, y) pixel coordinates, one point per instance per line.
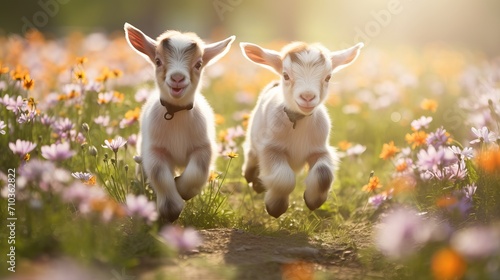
(251, 171)
(161, 175)
(278, 179)
(195, 176)
(319, 179)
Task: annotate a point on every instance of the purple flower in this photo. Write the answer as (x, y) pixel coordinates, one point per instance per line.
(47, 120)
(22, 147)
(432, 159)
(142, 94)
(82, 176)
(438, 138)
(377, 200)
(14, 105)
(43, 174)
(423, 122)
(2, 126)
(26, 117)
(140, 206)
(102, 120)
(469, 191)
(179, 238)
(483, 135)
(62, 126)
(83, 196)
(477, 242)
(114, 144)
(57, 152)
(402, 231)
(466, 153)
(132, 140)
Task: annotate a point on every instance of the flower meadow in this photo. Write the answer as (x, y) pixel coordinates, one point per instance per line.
(418, 133)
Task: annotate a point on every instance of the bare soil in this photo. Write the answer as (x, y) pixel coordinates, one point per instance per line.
(235, 254)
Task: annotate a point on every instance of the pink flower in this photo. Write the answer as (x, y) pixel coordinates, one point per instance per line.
(179, 238)
(403, 231)
(22, 147)
(423, 122)
(57, 152)
(483, 135)
(477, 242)
(114, 144)
(142, 207)
(14, 105)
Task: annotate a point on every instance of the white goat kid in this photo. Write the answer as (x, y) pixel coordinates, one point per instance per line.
(290, 126)
(177, 123)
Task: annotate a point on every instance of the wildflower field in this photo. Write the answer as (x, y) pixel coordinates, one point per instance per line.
(416, 196)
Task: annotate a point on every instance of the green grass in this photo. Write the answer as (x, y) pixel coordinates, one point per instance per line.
(50, 225)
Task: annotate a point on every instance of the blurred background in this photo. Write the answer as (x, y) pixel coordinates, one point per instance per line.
(471, 25)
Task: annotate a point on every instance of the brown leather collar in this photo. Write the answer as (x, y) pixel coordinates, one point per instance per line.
(172, 109)
(293, 116)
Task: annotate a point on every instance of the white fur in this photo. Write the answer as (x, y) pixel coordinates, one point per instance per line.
(183, 146)
(274, 150)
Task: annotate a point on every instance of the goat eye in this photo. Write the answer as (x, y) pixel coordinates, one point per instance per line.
(197, 66)
(285, 76)
(158, 62)
(327, 79)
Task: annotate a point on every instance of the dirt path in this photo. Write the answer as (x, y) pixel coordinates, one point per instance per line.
(235, 254)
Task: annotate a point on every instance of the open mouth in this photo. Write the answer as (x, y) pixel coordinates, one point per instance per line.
(177, 91)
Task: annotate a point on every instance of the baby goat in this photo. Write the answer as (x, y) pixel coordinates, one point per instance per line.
(290, 126)
(177, 123)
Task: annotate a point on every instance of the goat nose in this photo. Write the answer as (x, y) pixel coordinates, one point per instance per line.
(307, 97)
(177, 77)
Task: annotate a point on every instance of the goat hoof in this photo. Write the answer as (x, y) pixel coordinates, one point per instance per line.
(257, 186)
(315, 204)
(168, 214)
(277, 208)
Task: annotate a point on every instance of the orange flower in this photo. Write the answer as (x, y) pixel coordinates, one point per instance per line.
(3, 69)
(28, 83)
(107, 74)
(222, 136)
(133, 114)
(372, 185)
(219, 119)
(118, 96)
(232, 155)
(446, 201)
(429, 105)
(416, 139)
(213, 176)
(402, 166)
(298, 270)
(31, 103)
(80, 76)
(448, 264)
(81, 60)
(344, 145)
(489, 161)
(389, 150)
(244, 122)
(18, 74)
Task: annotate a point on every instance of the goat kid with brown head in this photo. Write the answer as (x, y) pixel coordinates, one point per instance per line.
(177, 124)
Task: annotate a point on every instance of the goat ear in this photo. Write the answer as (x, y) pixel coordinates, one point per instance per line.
(267, 58)
(140, 42)
(343, 58)
(215, 51)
